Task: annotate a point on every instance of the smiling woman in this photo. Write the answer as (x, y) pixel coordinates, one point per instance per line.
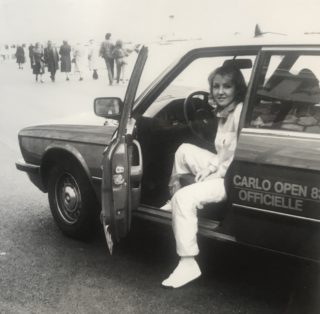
(227, 88)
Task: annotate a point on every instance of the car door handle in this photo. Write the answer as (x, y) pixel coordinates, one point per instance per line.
(136, 170)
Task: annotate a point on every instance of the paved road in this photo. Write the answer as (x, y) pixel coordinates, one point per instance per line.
(41, 271)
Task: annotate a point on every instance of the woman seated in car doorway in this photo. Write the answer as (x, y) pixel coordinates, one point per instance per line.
(228, 89)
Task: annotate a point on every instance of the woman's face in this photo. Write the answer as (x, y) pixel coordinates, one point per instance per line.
(223, 90)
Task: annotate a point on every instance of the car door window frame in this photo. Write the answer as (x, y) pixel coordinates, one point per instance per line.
(155, 89)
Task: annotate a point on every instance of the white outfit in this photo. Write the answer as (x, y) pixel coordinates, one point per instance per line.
(192, 159)
(93, 55)
(80, 58)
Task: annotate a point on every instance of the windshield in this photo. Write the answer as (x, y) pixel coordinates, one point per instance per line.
(161, 56)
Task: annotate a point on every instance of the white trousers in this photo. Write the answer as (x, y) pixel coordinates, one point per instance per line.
(185, 202)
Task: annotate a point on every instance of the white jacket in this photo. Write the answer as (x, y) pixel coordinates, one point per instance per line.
(226, 141)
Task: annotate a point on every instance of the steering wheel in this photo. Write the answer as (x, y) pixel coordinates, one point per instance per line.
(199, 116)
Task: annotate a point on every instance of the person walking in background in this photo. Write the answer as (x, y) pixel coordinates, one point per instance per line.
(106, 53)
(65, 56)
(30, 48)
(130, 60)
(51, 58)
(7, 51)
(93, 55)
(38, 61)
(20, 56)
(12, 52)
(79, 60)
(2, 53)
(119, 54)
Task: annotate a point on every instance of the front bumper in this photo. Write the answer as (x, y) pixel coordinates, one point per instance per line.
(33, 172)
(29, 168)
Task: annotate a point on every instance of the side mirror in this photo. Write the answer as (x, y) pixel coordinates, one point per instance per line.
(108, 107)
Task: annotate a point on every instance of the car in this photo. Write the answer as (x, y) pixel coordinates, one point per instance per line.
(119, 171)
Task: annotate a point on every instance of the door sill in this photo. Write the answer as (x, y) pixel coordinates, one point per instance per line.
(206, 227)
(153, 213)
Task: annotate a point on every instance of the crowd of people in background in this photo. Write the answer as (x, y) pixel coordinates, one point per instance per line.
(50, 58)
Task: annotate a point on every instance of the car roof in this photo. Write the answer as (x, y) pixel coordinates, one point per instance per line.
(242, 41)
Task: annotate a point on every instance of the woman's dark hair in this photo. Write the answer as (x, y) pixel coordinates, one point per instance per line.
(119, 43)
(236, 77)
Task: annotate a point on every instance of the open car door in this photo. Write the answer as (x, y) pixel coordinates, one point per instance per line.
(122, 167)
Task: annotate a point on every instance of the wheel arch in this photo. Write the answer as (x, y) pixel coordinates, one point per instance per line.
(56, 154)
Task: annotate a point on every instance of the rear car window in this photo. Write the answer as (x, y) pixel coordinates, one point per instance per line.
(288, 94)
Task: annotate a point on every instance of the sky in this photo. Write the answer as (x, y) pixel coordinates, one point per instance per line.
(24, 21)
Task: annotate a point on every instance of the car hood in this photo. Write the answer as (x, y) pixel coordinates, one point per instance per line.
(71, 133)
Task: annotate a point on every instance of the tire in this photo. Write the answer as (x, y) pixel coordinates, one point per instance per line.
(73, 203)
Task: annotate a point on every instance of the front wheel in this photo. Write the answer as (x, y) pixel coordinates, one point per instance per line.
(72, 201)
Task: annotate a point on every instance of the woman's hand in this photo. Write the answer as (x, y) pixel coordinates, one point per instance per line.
(202, 175)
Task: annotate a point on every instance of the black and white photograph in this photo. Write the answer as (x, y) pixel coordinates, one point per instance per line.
(160, 156)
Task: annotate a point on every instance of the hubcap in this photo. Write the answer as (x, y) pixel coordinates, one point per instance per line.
(68, 198)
